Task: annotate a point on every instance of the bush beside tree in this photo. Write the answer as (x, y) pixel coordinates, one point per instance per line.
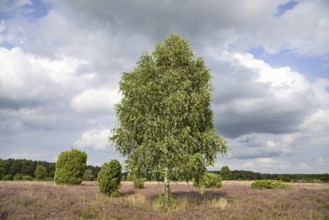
(109, 178)
(139, 183)
(70, 167)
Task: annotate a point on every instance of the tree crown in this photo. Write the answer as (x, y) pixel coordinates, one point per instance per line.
(165, 119)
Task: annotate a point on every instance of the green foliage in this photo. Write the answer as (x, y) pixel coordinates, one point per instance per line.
(165, 120)
(225, 173)
(325, 177)
(88, 175)
(27, 178)
(109, 178)
(171, 201)
(269, 184)
(18, 177)
(95, 170)
(70, 167)
(207, 180)
(2, 169)
(139, 183)
(7, 177)
(284, 178)
(24, 167)
(40, 172)
(49, 179)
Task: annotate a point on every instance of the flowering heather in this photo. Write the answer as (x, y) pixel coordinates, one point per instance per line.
(235, 200)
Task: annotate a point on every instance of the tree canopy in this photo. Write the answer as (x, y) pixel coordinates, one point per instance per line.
(165, 120)
(225, 173)
(40, 172)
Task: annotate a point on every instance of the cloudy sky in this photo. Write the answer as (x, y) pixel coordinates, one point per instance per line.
(61, 61)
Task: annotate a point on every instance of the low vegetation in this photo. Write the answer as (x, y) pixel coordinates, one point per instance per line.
(234, 200)
(139, 183)
(109, 178)
(269, 184)
(208, 180)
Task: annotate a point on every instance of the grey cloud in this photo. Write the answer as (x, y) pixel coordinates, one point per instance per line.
(9, 103)
(244, 105)
(259, 153)
(267, 118)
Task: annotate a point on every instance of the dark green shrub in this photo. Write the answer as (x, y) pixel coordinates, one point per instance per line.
(269, 184)
(7, 177)
(40, 172)
(139, 183)
(109, 178)
(18, 177)
(325, 177)
(284, 178)
(70, 167)
(27, 178)
(49, 179)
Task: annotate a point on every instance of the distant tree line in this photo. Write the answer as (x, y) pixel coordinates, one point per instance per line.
(23, 167)
(10, 168)
(249, 175)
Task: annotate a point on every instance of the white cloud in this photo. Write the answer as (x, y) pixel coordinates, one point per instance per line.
(95, 101)
(321, 95)
(24, 155)
(248, 165)
(317, 123)
(252, 96)
(95, 139)
(25, 76)
(270, 144)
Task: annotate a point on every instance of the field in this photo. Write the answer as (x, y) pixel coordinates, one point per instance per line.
(235, 200)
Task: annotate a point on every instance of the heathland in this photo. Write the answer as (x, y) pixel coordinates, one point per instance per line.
(235, 200)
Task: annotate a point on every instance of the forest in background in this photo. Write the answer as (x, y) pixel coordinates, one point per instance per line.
(12, 167)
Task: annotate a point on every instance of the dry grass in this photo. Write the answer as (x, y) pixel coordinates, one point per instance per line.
(235, 200)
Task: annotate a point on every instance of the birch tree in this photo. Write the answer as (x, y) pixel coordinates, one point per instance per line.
(165, 123)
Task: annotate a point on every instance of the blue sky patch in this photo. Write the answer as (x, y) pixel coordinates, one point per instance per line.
(311, 66)
(285, 7)
(38, 9)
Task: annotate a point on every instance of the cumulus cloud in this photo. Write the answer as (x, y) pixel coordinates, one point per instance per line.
(95, 101)
(95, 139)
(27, 77)
(251, 96)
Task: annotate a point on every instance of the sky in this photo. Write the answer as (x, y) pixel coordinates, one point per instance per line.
(61, 61)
